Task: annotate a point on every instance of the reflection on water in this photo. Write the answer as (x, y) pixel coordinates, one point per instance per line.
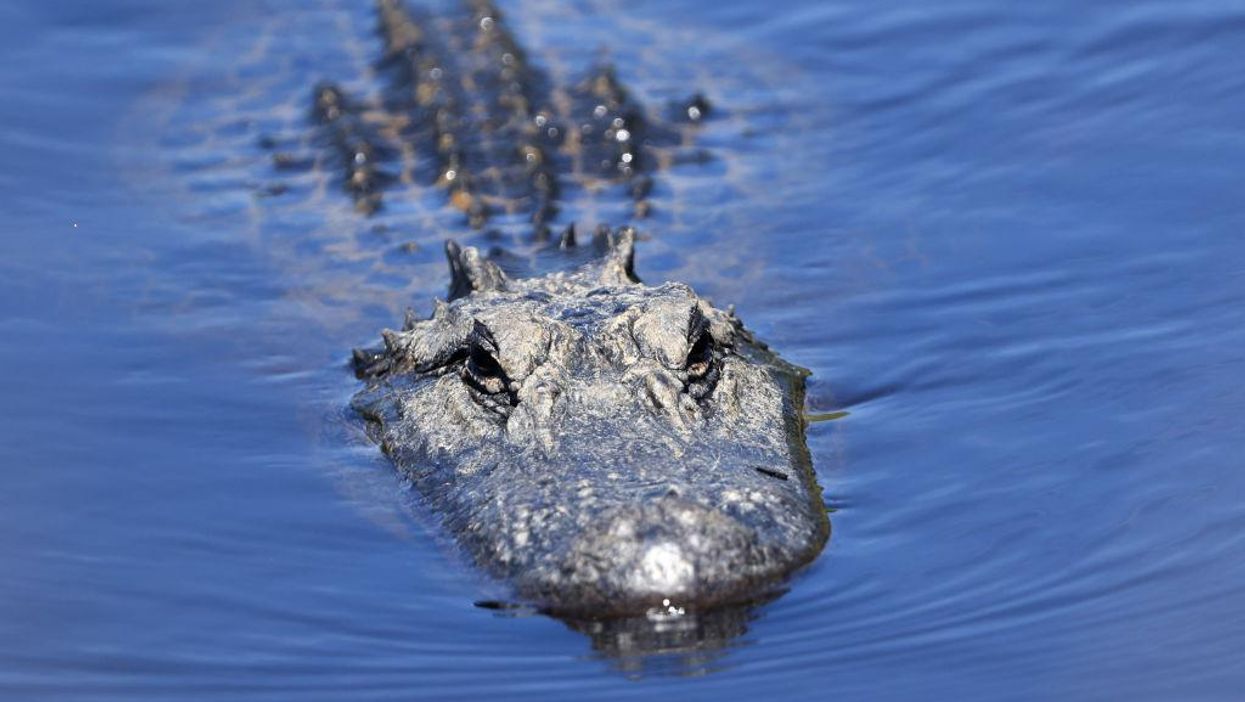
(667, 643)
(1004, 238)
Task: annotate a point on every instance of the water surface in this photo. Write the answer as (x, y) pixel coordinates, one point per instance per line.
(1007, 240)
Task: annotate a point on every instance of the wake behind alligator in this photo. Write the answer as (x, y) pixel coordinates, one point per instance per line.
(605, 447)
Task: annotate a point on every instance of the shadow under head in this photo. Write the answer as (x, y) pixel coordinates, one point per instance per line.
(604, 446)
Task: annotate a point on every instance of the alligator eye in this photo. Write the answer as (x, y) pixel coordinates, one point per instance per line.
(484, 373)
(702, 367)
(700, 358)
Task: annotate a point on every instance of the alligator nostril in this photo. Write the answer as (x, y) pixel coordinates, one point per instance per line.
(771, 472)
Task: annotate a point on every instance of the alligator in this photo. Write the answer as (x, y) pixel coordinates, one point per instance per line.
(608, 447)
(605, 447)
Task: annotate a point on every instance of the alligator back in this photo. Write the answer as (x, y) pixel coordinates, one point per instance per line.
(327, 145)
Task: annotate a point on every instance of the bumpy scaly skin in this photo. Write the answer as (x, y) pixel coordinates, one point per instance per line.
(602, 444)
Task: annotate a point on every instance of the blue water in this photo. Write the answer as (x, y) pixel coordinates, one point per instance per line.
(1006, 238)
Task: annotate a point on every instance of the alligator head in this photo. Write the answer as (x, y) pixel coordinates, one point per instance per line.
(605, 446)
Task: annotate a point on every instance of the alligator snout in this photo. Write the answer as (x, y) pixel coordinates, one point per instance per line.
(667, 552)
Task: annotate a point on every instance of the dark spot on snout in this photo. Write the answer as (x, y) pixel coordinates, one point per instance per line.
(499, 605)
(771, 472)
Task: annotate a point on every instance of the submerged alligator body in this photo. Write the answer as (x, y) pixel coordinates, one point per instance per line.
(604, 446)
